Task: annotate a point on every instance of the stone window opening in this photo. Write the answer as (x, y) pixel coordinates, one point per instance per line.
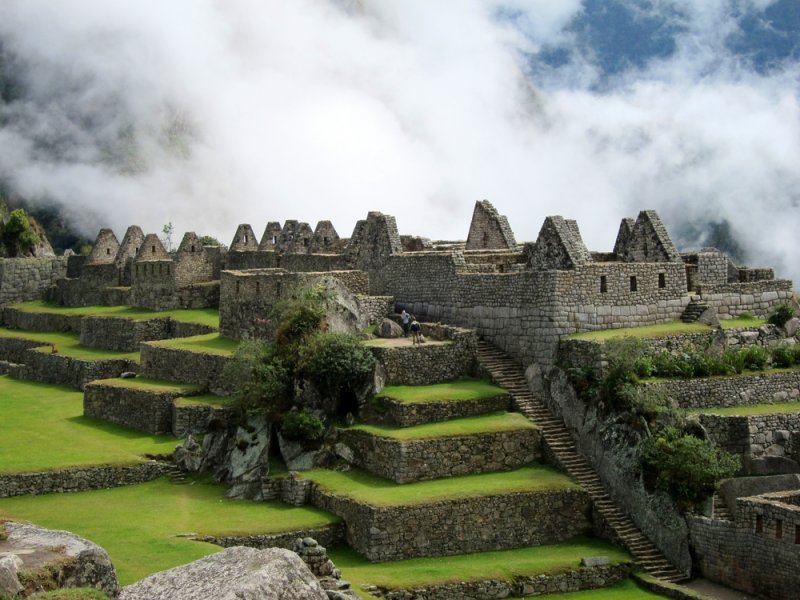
(274, 239)
(167, 269)
(778, 529)
(797, 534)
(108, 251)
(159, 268)
(305, 242)
(485, 239)
(152, 249)
(192, 247)
(662, 281)
(634, 284)
(258, 288)
(759, 524)
(245, 238)
(326, 241)
(237, 287)
(603, 284)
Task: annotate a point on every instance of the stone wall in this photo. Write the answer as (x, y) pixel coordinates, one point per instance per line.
(195, 418)
(13, 349)
(79, 479)
(143, 409)
(758, 298)
(417, 460)
(376, 308)
(182, 366)
(757, 552)
(121, 334)
(754, 436)
(738, 390)
(425, 364)
(15, 318)
(23, 279)
(387, 411)
(459, 526)
(42, 365)
(240, 261)
(328, 536)
(546, 583)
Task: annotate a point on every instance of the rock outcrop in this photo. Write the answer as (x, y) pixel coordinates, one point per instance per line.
(60, 559)
(237, 573)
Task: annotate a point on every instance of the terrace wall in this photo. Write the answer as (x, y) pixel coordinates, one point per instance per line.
(79, 479)
(460, 526)
(195, 418)
(418, 460)
(183, 366)
(46, 367)
(395, 413)
(754, 436)
(23, 279)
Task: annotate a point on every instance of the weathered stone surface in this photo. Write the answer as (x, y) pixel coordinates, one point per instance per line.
(67, 559)
(237, 573)
(9, 582)
(388, 329)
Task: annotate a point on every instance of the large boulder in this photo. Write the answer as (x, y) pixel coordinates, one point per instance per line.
(388, 329)
(342, 311)
(56, 559)
(236, 573)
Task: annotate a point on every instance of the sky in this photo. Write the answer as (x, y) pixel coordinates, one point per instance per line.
(211, 113)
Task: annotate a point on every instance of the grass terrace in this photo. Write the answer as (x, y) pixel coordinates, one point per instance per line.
(67, 344)
(43, 428)
(460, 389)
(742, 323)
(627, 590)
(210, 343)
(151, 385)
(376, 491)
(491, 423)
(502, 565)
(648, 331)
(204, 400)
(138, 524)
(199, 316)
(754, 410)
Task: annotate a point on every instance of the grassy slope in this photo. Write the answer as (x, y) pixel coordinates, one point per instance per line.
(377, 491)
(741, 323)
(201, 316)
(137, 524)
(491, 423)
(204, 400)
(501, 565)
(627, 590)
(648, 331)
(210, 343)
(153, 385)
(67, 344)
(43, 427)
(460, 389)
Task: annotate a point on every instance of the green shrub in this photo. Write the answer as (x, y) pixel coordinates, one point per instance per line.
(622, 357)
(259, 377)
(756, 358)
(686, 467)
(302, 426)
(783, 356)
(300, 316)
(781, 314)
(335, 363)
(18, 236)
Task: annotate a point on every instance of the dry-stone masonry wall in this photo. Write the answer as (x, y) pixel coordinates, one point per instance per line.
(459, 526)
(42, 365)
(387, 411)
(196, 418)
(416, 460)
(754, 436)
(329, 536)
(79, 479)
(173, 364)
(758, 551)
(23, 279)
(15, 318)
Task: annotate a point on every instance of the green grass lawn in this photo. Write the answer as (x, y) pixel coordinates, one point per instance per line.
(648, 331)
(741, 323)
(200, 316)
(43, 427)
(751, 410)
(153, 385)
(210, 343)
(204, 400)
(627, 590)
(460, 389)
(67, 344)
(502, 565)
(137, 524)
(491, 423)
(376, 491)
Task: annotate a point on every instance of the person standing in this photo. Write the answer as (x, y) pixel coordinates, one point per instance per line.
(416, 328)
(405, 320)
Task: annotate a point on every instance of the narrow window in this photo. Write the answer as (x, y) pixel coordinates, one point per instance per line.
(108, 251)
(485, 239)
(305, 242)
(192, 247)
(167, 269)
(258, 288)
(759, 524)
(797, 534)
(237, 287)
(778, 529)
(153, 250)
(662, 281)
(274, 239)
(634, 285)
(326, 241)
(159, 268)
(603, 284)
(245, 238)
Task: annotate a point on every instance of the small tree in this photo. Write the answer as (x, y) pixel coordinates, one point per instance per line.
(300, 316)
(259, 378)
(167, 232)
(18, 235)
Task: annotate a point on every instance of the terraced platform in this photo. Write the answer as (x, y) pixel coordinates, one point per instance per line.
(479, 444)
(473, 513)
(197, 360)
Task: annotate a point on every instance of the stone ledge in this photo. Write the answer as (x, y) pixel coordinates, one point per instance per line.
(407, 461)
(391, 412)
(59, 369)
(79, 479)
(183, 366)
(328, 536)
(16, 318)
(444, 528)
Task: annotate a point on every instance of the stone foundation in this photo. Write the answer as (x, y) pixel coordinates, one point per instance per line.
(417, 460)
(15, 318)
(394, 413)
(328, 536)
(183, 366)
(195, 418)
(46, 367)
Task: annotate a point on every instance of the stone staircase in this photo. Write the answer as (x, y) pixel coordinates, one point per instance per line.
(694, 310)
(719, 509)
(506, 373)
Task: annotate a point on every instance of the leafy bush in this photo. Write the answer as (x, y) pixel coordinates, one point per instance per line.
(259, 377)
(335, 362)
(780, 315)
(300, 316)
(756, 358)
(786, 356)
(622, 356)
(18, 236)
(302, 426)
(686, 467)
